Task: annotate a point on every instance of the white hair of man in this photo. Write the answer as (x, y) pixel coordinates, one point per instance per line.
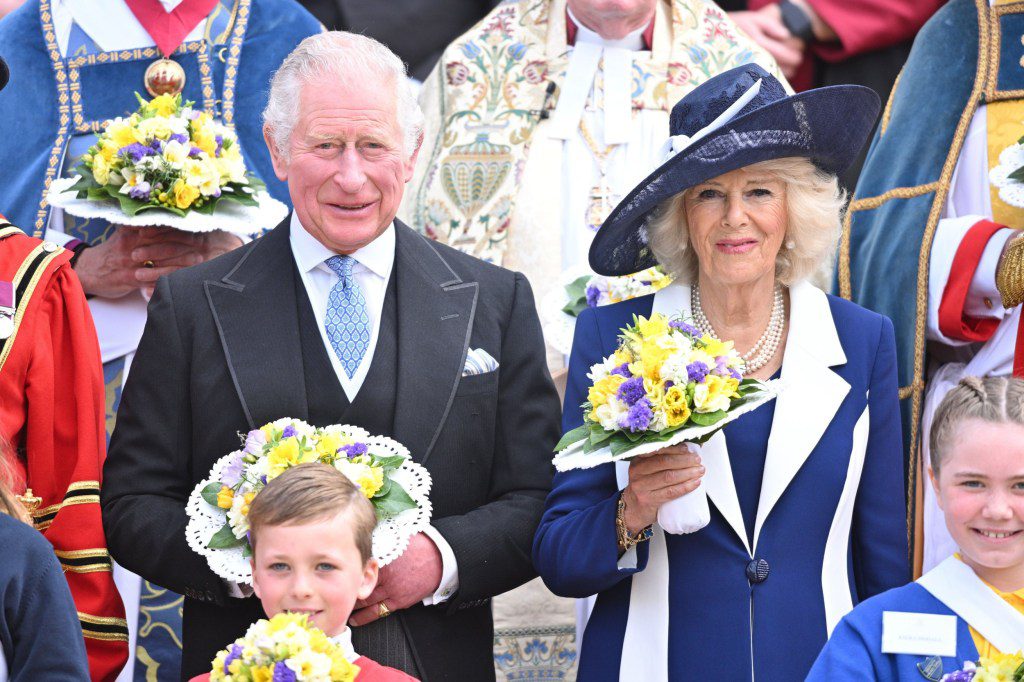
(352, 58)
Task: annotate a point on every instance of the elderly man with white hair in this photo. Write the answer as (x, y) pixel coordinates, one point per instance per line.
(342, 314)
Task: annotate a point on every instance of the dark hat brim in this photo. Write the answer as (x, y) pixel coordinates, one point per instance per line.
(828, 126)
(5, 73)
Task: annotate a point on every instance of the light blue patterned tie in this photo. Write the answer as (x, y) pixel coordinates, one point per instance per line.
(347, 321)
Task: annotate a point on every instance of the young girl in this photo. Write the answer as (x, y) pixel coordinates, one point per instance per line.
(40, 638)
(972, 604)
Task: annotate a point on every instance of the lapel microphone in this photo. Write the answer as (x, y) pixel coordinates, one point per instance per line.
(550, 90)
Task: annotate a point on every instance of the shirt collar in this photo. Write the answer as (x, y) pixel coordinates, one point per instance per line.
(640, 39)
(344, 642)
(378, 256)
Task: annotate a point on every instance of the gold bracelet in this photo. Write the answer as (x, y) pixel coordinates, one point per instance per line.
(627, 541)
(1010, 273)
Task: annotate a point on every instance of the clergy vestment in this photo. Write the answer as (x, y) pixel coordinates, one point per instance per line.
(51, 415)
(567, 122)
(924, 232)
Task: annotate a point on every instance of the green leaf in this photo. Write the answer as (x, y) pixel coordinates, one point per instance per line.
(1017, 175)
(85, 182)
(395, 502)
(224, 538)
(392, 462)
(574, 436)
(246, 551)
(598, 434)
(577, 292)
(385, 487)
(209, 493)
(709, 418)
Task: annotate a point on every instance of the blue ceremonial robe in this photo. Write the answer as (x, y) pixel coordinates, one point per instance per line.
(50, 100)
(834, 536)
(854, 652)
(902, 190)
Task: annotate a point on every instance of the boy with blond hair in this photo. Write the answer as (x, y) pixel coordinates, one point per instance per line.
(311, 535)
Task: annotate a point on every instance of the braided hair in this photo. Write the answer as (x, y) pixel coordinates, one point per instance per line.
(991, 399)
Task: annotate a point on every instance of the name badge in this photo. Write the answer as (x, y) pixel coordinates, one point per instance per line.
(920, 634)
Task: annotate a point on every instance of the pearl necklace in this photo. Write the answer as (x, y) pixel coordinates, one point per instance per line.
(765, 348)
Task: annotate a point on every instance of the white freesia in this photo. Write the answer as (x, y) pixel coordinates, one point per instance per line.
(175, 153)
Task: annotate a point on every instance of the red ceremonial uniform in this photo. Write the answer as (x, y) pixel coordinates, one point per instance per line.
(52, 415)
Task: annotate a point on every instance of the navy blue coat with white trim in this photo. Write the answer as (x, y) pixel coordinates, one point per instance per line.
(830, 520)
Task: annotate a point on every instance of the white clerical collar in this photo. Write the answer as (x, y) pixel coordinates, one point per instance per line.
(344, 641)
(378, 256)
(631, 41)
(109, 23)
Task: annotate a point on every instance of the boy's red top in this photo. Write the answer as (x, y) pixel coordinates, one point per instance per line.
(52, 413)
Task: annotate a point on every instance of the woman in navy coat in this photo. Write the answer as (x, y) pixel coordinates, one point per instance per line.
(807, 491)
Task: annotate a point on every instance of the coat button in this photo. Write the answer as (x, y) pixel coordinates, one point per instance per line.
(757, 571)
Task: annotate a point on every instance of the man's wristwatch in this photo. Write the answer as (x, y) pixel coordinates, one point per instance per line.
(627, 541)
(796, 20)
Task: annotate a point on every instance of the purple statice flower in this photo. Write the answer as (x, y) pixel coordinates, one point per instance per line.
(254, 442)
(236, 652)
(135, 151)
(735, 374)
(282, 673)
(593, 296)
(263, 479)
(219, 139)
(157, 144)
(353, 449)
(178, 137)
(140, 191)
(232, 474)
(622, 370)
(194, 152)
(959, 676)
(696, 371)
(631, 391)
(288, 431)
(639, 416)
(685, 328)
(669, 384)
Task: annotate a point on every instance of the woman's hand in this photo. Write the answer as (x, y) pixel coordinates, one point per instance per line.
(656, 479)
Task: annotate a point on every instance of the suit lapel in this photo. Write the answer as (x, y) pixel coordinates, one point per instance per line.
(810, 397)
(253, 307)
(435, 320)
(673, 301)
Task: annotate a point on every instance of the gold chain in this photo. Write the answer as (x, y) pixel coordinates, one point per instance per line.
(1010, 273)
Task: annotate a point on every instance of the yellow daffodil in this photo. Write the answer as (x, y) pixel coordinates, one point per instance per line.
(121, 133)
(163, 105)
(656, 325)
(225, 498)
(327, 446)
(603, 389)
(713, 395)
(655, 391)
(100, 169)
(184, 194)
(675, 407)
(997, 668)
(369, 478)
(287, 453)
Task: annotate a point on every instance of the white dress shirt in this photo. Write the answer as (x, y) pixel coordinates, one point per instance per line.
(371, 271)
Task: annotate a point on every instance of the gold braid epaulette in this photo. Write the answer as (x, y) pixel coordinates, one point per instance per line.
(1010, 275)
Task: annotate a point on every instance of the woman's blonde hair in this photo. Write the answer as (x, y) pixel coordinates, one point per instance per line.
(9, 503)
(814, 203)
(991, 399)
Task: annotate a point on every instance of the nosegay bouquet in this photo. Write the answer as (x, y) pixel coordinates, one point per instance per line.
(169, 158)
(218, 507)
(666, 384)
(285, 648)
(582, 289)
(998, 668)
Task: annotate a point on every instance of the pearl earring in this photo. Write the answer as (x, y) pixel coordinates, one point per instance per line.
(791, 245)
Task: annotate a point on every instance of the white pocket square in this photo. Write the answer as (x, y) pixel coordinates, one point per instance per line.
(478, 361)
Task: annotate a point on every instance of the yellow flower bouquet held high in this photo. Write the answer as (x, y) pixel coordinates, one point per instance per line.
(218, 507)
(285, 648)
(168, 164)
(998, 668)
(666, 384)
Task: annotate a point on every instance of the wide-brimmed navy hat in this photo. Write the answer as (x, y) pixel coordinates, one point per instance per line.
(5, 73)
(733, 120)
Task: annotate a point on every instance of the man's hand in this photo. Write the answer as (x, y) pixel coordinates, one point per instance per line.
(404, 582)
(766, 28)
(135, 257)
